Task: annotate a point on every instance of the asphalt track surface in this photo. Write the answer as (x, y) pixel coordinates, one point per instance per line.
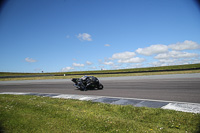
(178, 87)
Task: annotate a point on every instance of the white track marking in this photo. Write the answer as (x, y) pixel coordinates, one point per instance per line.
(172, 105)
(184, 107)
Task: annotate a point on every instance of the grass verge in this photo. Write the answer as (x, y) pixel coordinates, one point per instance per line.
(103, 75)
(43, 114)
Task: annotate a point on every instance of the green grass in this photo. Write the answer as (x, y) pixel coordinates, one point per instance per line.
(138, 70)
(43, 114)
(103, 75)
(163, 68)
(181, 69)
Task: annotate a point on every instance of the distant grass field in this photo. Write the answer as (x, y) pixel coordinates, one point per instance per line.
(140, 70)
(43, 114)
(179, 69)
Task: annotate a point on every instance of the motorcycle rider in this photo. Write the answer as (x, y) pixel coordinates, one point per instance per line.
(85, 81)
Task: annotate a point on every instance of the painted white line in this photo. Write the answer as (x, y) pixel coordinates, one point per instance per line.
(87, 98)
(14, 93)
(147, 99)
(178, 106)
(184, 107)
(63, 96)
(68, 96)
(78, 97)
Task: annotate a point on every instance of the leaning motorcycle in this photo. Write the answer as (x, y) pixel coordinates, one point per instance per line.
(87, 82)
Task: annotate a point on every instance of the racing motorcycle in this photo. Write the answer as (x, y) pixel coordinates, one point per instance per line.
(87, 82)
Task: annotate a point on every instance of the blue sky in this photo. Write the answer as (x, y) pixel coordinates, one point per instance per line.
(76, 35)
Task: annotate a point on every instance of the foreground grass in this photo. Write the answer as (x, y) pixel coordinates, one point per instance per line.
(42, 114)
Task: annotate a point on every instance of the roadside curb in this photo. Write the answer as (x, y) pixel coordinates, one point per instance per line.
(172, 105)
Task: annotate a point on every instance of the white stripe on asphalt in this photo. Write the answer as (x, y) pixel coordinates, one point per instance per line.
(14, 93)
(78, 97)
(184, 107)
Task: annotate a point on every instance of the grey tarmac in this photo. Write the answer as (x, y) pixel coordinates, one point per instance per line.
(178, 91)
(176, 87)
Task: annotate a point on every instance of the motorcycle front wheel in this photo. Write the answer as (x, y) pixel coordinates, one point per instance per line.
(100, 87)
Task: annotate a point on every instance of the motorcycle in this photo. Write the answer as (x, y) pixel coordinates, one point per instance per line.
(87, 82)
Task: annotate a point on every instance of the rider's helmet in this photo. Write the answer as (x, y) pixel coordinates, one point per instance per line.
(84, 77)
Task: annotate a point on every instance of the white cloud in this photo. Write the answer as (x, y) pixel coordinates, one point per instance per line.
(93, 67)
(170, 62)
(164, 55)
(175, 58)
(108, 63)
(116, 66)
(131, 60)
(124, 55)
(88, 63)
(84, 37)
(153, 49)
(186, 45)
(78, 65)
(175, 54)
(66, 69)
(195, 61)
(30, 60)
(138, 65)
(107, 45)
(167, 60)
